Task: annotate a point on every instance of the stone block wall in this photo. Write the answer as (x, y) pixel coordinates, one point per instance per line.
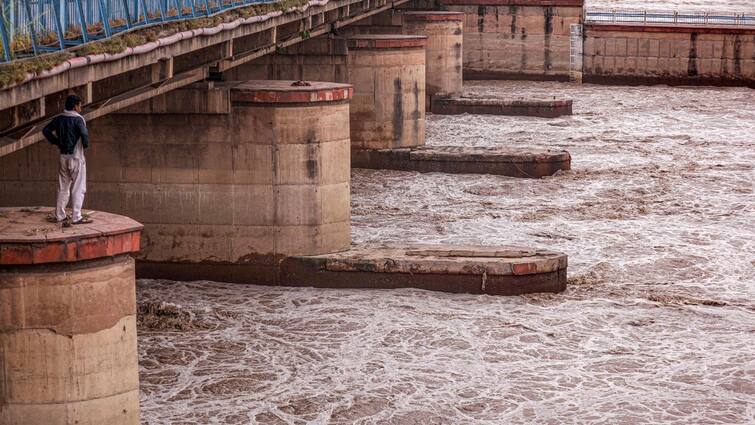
(675, 55)
(517, 39)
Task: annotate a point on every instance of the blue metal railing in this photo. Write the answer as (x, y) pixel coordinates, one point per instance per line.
(672, 17)
(33, 27)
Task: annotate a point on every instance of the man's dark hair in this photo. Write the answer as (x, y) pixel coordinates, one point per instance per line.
(72, 101)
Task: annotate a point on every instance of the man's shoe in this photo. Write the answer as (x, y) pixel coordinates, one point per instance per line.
(83, 220)
(52, 219)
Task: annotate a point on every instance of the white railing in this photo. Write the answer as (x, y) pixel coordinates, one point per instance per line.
(576, 48)
(667, 17)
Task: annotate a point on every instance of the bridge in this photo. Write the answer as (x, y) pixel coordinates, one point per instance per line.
(110, 80)
(228, 129)
(232, 141)
(189, 105)
(117, 53)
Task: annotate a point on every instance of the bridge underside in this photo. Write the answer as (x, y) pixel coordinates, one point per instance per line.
(119, 82)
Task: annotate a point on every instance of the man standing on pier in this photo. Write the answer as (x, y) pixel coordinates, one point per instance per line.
(68, 131)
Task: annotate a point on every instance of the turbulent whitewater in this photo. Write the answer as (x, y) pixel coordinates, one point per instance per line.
(657, 326)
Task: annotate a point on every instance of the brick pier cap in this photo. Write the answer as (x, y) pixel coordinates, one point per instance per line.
(26, 237)
(67, 320)
(282, 91)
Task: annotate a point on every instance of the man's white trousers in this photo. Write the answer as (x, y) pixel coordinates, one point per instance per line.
(72, 183)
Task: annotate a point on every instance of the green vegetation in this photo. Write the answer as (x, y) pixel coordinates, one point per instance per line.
(16, 71)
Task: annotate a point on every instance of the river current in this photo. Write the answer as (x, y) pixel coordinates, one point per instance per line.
(657, 325)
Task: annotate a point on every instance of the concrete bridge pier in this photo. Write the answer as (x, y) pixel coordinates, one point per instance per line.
(249, 182)
(265, 178)
(388, 74)
(444, 62)
(67, 320)
(227, 179)
(387, 114)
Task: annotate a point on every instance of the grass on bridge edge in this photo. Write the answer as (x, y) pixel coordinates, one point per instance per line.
(15, 72)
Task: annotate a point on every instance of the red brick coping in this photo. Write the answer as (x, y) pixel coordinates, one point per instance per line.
(277, 91)
(561, 3)
(386, 41)
(27, 238)
(433, 16)
(699, 29)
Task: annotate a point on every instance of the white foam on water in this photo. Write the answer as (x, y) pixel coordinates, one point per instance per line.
(657, 325)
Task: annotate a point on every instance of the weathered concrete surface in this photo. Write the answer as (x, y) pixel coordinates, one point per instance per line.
(67, 320)
(516, 39)
(634, 54)
(472, 269)
(388, 74)
(269, 179)
(466, 160)
(444, 60)
(483, 106)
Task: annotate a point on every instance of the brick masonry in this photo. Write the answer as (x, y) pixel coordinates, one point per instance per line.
(27, 238)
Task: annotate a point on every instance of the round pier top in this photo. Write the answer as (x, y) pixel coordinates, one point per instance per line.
(282, 91)
(386, 41)
(433, 15)
(26, 237)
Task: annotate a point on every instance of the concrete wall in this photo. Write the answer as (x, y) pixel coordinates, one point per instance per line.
(517, 39)
(676, 55)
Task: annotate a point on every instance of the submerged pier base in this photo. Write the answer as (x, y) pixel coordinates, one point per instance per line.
(509, 107)
(466, 160)
(501, 270)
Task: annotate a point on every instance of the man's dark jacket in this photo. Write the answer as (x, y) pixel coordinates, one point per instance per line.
(64, 131)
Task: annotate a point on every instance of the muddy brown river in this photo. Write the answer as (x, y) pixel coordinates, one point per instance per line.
(657, 325)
